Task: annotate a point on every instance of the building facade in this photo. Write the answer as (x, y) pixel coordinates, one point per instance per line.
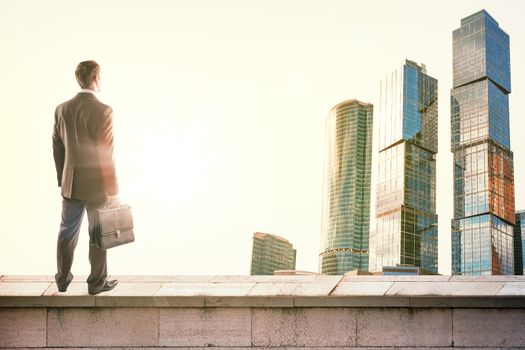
(271, 253)
(519, 243)
(484, 215)
(346, 188)
(406, 220)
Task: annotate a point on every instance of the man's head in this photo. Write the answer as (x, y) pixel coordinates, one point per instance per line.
(88, 75)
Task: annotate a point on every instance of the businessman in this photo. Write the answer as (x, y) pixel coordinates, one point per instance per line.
(83, 153)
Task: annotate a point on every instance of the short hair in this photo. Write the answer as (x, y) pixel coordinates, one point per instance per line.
(86, 72)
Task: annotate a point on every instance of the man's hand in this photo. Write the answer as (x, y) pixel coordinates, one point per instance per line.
(112, 201)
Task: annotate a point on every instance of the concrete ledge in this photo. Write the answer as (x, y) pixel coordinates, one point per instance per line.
(257, 312)
(272, 291)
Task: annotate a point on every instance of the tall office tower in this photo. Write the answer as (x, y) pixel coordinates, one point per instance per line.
(346, 188)
(271, 253)
(519, 243)
(406, 231)
(482, 227)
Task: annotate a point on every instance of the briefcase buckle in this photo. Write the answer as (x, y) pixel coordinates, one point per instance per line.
(117, 233)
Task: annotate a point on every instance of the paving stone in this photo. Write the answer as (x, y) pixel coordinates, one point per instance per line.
(21, 327)
(265, 278)
(489, 327)
(513, 289)
(164, 279)
(320, 285)
(404, 327)
(142, 290)
(303, 327)
(133, 289)
(395, 278)
(27, 278)
(445, 288)
(37, 278)
(126, 294)
(74, 289)
(23, 288)
(273, 289)
(76, 296)
(205, 327)
(495, 278)
(362, 288)
(204, 289)
(75, 327)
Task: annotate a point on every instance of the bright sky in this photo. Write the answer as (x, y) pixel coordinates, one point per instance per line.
(219, 117)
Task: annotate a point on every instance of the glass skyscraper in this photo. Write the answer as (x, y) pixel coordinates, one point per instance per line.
(346, 188)
(271, 253)
(519, 242)
(406, 231)
(482, 227)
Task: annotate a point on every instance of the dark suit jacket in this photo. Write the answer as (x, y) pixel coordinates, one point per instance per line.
(83, 148)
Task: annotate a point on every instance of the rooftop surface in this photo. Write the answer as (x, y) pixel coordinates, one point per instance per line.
(271, 291)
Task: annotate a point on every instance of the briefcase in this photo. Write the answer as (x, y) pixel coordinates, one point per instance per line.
(114, 227)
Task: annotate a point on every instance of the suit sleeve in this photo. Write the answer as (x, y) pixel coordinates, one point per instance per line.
(105, 152)
(58, 148)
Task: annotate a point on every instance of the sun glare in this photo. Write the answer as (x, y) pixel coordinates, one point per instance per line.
(172, 163)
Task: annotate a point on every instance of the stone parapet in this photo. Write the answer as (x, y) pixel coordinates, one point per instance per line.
(315, 311)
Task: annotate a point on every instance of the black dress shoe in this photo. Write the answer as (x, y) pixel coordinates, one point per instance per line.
(63, 287)
(109, 285)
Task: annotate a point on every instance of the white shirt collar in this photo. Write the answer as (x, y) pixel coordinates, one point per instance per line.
(90, 91)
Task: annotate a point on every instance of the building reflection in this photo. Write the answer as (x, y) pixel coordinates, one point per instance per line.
(346, 189)
(271, 253)
(484, 215)
(406, 231)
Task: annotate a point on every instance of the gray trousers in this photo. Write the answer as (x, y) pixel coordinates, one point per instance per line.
(72, 214)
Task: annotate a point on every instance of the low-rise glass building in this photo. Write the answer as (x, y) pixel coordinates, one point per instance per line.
(271, 253)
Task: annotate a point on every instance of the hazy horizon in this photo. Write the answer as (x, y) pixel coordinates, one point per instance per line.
(219, 112)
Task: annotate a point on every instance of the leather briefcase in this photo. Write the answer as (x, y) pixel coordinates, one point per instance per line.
(114, 227)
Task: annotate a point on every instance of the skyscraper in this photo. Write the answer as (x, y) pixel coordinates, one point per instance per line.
(519, 242)
(346, 188)
(406, 231)
(482, 227)
(271, 253)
